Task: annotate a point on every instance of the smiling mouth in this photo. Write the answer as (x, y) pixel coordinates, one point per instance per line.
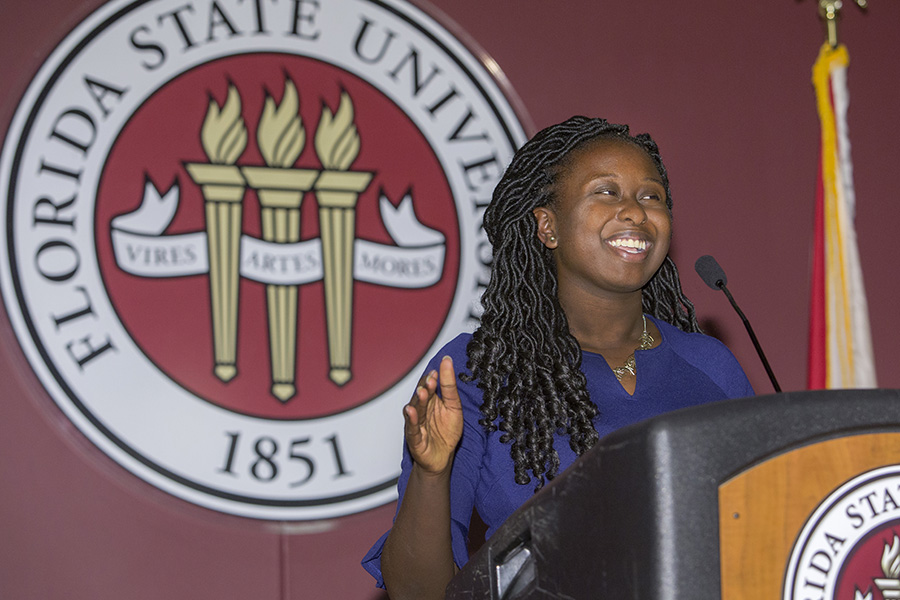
(630, 245)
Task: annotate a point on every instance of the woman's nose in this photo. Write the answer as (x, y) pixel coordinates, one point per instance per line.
(632, 210)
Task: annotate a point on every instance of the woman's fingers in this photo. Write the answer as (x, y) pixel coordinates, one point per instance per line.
(415, 411)
(449, 392)
(411, 415)
(433, 418)
(427, 386)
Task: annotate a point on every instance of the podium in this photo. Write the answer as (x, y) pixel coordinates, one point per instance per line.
(793, 495)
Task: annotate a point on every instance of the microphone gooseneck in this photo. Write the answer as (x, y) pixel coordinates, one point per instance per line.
(714, 276)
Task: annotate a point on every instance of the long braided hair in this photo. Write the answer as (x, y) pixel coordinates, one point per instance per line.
(523, 356)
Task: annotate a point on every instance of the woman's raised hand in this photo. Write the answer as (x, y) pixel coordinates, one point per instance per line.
(434, 421)
(417, 560)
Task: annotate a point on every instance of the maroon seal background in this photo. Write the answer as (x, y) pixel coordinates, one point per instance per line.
(863, 564)
(169, 318)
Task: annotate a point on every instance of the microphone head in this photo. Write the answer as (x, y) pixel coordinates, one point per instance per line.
(710, 272)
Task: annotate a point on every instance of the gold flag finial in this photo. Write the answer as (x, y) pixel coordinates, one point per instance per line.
(830, 12)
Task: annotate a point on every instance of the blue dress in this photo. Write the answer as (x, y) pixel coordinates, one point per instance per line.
(686, 369)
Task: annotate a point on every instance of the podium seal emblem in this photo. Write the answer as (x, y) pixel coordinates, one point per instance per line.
(236, 231)
(850, 546)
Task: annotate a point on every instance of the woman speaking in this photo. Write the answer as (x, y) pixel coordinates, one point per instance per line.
(585, 330)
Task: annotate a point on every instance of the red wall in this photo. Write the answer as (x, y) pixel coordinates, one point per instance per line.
(725, 89)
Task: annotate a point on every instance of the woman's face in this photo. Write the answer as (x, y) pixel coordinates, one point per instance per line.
(609, 219)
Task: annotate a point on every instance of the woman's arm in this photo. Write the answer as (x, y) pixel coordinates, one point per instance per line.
(417, 560)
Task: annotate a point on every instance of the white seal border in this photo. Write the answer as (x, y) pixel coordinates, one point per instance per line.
(27, 112)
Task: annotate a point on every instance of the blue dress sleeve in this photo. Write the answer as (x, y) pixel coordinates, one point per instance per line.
(727, 372)
(464, 473)
(715, 359)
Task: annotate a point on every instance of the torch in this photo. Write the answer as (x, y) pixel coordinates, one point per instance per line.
(337, 191)
(223, 137)
(280, 188)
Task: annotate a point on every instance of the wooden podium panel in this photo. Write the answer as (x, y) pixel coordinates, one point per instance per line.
(763, 509)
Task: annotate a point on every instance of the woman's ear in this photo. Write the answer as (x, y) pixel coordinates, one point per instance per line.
(546, 226)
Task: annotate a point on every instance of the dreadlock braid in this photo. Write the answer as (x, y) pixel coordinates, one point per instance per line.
(523, 356)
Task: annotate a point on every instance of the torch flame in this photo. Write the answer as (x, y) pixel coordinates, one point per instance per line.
(337, 141)
(280, 134)
(224, 135)
(890, 559)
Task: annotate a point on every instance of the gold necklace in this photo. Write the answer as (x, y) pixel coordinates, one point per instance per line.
(629, 366)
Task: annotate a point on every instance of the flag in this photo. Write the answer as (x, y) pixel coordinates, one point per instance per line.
(840, 342)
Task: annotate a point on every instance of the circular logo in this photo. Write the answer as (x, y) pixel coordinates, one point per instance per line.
(236, 233)
(849, 548)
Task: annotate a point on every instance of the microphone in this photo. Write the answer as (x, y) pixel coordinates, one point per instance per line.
(711, 273)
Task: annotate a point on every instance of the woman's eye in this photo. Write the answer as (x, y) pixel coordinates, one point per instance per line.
(652, 198)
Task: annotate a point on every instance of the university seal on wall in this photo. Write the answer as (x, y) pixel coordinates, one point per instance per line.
(236, 231)
(849, 548)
